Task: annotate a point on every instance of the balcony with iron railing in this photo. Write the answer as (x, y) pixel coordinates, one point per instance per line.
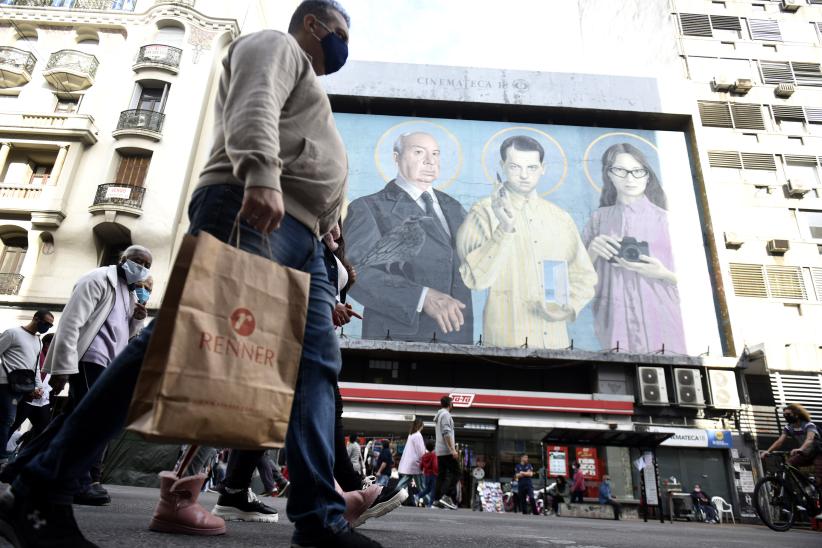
(16, 67)
(71, 70)
(96, 5)
(158, 56)
(140, 123)
(118, 197)
(10, 283)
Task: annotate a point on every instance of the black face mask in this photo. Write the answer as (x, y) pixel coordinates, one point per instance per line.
(335, 50)
(43, 327)
(789, 417)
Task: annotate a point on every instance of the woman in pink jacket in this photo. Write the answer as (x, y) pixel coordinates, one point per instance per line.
(578, 485)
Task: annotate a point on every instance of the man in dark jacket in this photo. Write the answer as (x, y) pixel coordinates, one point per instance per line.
(402, 242)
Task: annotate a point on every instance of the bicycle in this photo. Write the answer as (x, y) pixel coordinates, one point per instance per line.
(779, 497)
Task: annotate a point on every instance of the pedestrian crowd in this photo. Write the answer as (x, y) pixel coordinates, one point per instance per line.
(275, 180)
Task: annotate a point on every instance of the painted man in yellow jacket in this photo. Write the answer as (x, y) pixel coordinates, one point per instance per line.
(528, 253)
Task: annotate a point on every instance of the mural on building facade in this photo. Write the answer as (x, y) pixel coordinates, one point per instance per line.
(525, 235)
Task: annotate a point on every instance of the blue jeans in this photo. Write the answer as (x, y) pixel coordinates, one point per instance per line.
(427, 493)
(8, 412)
(383, 479)
(314, 506)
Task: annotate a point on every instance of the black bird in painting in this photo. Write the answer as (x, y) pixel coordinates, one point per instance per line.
(398, 246)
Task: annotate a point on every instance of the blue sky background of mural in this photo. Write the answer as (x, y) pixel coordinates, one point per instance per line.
(369, 139)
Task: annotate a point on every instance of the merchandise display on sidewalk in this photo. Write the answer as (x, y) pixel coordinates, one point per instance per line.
(490, 493)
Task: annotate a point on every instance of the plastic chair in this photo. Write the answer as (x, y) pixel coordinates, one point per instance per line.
(723, 508)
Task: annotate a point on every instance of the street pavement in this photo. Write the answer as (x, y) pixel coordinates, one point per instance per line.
(124, 523)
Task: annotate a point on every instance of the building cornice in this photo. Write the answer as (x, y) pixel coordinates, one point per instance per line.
(119, 19)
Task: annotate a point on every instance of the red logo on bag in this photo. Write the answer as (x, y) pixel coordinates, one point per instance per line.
(243, 322)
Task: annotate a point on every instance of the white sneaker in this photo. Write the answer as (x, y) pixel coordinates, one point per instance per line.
(446, 502)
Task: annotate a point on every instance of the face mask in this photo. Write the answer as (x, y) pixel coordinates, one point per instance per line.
(134, 272)
(142, 294)
(43, 327)
(335, 50)
(788, 417)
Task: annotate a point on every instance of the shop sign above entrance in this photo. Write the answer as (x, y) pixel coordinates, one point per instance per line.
(461, 399)
(694, 437)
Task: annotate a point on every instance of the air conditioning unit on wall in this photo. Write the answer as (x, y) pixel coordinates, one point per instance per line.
(723, 389)
(778, 247)
(742, 86)
(784, 90)
(734, 240)
(688, 385)
(653, 389)
(798, 189)
(791, 5)
(722, 82)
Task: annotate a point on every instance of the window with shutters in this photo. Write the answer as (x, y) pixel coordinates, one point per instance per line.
(132, 169)
(755, 168)
(816, 276)
(747, 116)
(807, 74)
(766, 30)
(13, 247)
(695, 24)
(813, 115)
(776, 72)
(731, 115)
(749, 280)
(811, 224)
(789, 118)
(802, 169)
(772, 281)
(758, 160)
(785, 282)
(710, 26)
(791, 72)
(715, 114)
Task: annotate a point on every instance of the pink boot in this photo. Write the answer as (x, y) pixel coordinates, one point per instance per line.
(178, 510)
(357, 502)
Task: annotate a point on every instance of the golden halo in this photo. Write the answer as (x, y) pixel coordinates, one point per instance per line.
(441, 186)
(493, 179)
(597, 187)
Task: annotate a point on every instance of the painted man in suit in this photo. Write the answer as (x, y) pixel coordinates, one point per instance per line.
(402, 242)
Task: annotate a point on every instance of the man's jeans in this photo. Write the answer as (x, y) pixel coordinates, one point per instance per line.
(314, 505)
(447, 477)
(8, 411)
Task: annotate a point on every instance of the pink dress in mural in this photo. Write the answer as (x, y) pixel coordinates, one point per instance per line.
(639, 312)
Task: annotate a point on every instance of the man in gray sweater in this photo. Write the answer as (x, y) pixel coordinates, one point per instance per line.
(279, 164)
(19, 349)
(447, 455)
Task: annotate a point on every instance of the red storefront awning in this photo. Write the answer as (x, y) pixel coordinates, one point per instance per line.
(522, 401)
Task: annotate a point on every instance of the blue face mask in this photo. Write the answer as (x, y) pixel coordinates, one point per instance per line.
(335, 50)
(142, 294)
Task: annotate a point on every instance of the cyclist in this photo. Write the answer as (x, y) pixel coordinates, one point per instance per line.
(800, 428)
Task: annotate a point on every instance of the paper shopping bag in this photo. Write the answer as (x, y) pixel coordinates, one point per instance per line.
(222, 363)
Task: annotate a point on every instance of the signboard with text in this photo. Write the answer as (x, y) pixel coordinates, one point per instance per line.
(557, 460)
(588, 462)
(462, 400)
